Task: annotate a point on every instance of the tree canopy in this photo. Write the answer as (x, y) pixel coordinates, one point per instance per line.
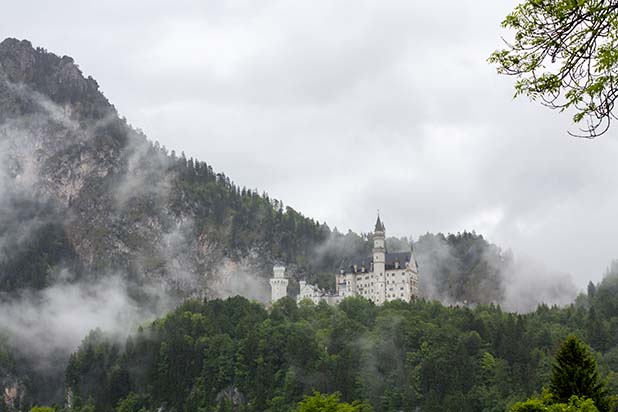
(574, 385)
(545, 404)
(575, 374)
(565, 54)
(330, 403)
(233, 355)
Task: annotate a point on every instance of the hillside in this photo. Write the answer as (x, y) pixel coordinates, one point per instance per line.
(100, 227)
(85, 195)
(234, 355)
(84, 190)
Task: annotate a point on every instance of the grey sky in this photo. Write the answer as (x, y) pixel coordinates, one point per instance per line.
(343, 107)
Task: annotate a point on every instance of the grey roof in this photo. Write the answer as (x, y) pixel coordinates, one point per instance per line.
(359, 261)
(367, 261)
(379, 225)
(402, 257)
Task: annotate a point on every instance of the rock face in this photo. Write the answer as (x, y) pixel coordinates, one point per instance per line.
(58, 78)
(81, 184)
(12, 395)
(76, 177)
(70, 162)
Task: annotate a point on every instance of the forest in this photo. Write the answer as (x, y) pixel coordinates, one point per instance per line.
(234, 354)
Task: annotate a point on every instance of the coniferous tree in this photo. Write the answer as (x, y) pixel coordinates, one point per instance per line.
(591, 290)
(575, 374)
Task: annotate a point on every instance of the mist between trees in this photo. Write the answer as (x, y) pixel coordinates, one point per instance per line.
(235, 355)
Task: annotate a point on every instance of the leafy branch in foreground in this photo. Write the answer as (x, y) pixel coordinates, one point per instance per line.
(565, 54)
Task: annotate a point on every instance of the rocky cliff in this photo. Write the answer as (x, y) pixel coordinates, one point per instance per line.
(78, 180)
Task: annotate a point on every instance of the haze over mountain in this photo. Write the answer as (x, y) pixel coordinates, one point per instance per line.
(91, 192)
(265, 91)
(102, 228)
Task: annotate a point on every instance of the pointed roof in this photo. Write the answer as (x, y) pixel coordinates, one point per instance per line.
(379, 225)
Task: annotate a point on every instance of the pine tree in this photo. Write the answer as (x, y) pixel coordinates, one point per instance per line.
(575, 373)
(592, 289)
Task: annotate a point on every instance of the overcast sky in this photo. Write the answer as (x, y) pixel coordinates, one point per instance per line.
(340, 108)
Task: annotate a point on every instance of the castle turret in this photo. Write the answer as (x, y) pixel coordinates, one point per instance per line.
(379, 235)
(379, 259)
(278, 284)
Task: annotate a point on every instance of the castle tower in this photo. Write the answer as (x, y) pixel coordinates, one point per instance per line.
(278, 284)
(379, 260)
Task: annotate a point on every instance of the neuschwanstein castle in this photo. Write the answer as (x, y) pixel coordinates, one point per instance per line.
(380, 278)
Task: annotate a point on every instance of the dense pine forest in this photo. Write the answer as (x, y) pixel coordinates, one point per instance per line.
(236, 355)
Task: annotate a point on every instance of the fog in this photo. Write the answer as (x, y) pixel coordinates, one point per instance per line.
(50, 323)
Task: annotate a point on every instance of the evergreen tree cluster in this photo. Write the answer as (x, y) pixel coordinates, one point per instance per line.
(235, 355)
(242, 219)
(463, 268)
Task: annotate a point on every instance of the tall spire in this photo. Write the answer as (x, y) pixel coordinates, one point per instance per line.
(379, 225)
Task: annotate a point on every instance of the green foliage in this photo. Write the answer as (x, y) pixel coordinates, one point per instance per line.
(330, 403)
(574, 385)
(32, 261)
(242, 219)
(234, 355)
(42, 409)
(564, 53)
(575, 374)
(132, 403)
(574, 404)
(463, 267)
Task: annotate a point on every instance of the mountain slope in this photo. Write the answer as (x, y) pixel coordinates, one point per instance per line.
(83, 195)
(78, 176)
(100, 227)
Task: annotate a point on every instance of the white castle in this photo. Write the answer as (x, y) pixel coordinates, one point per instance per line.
(380, 278)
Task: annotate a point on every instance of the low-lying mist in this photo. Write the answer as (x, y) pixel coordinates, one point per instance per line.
(49, 324)
(465, 269)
